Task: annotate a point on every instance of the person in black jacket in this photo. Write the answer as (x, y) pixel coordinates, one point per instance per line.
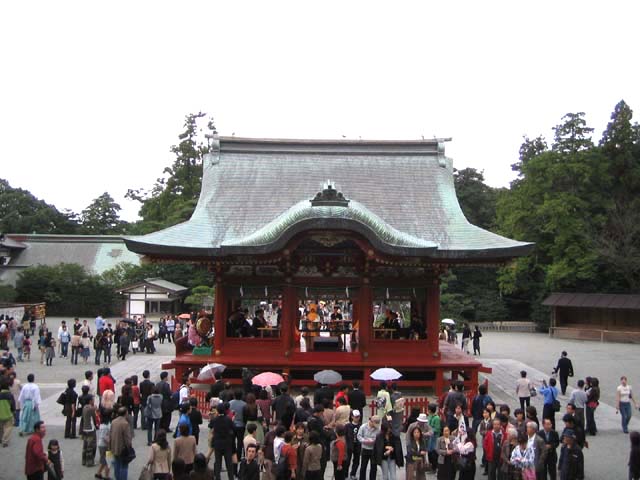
(249, 468)
(223, 441)
(387, 452)
(551, 442)
(146, 389)
(571, 463)
(357, 398)
(165, 391)
(321, 393)
(69, 409)
(634, 456)
(284, 407)
(353, 445)
(564, 369)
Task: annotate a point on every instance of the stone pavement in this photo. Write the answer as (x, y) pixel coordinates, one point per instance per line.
(506, 353)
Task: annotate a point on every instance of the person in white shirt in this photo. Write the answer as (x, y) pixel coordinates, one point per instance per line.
(184, 391)
(29, 401)
(523, 390)
(624, 398)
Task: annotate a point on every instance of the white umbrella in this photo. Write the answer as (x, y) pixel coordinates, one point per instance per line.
(384, 374)
(209, 371)
(449, 321)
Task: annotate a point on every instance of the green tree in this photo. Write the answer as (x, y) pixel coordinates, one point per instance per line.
(102, 217)
(8, 294)
(67, 288)
(189, 275)
(572, 135)
(22, 212)
(198, 295)
(477, 199)
(529, 149)
(173, 198)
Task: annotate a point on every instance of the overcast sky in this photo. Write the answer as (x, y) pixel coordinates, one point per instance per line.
(93, 94)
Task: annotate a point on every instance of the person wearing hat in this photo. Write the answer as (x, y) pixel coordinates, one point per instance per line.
(571, 463)
(353, 444)
(422, 422)
(367, 437)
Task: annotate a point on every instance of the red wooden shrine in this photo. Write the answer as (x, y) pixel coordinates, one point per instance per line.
(281, 238)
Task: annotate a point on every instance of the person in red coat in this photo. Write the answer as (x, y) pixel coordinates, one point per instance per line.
(492, 444)
(106, 382)
(35, 462)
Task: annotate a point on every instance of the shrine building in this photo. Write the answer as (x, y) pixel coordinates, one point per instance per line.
(328, 254)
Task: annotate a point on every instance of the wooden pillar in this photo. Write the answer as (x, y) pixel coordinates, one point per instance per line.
(365, 319)
(433, 316)
(219, 318)
(289, 307)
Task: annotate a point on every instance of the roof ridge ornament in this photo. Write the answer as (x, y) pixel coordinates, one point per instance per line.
(329, 197)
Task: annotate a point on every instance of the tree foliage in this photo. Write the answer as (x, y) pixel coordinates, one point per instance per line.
(198, 295)
(102, 217)
(186, 274)
(576, 201)
(67, 288)
(22, 212)
(470, 293)
(175, 195)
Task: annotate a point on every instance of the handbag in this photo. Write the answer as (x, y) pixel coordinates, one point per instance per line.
(532, 392)
(555, 404)
(146, 474)
(127, 455)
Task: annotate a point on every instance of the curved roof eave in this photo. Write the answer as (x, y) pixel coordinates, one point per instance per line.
(303, 216)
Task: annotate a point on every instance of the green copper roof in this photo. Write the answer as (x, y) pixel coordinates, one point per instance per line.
(256, 194)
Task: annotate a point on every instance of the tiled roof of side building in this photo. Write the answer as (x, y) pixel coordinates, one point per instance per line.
(96, 253)
(250, 185)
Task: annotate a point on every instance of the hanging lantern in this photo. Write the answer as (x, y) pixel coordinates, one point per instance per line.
(241, 291)
(266, 292)
(347, 291)
(387, 293)
(306, 292)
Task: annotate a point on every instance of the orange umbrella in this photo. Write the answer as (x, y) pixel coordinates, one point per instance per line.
(184, 316)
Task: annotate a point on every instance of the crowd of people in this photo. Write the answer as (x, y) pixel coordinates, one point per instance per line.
(83, 342)
(268, 433)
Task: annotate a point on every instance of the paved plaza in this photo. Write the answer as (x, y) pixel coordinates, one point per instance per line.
(505, 353)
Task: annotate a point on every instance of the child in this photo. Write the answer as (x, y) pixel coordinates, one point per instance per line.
(339, 454)
(26, 347)
(56, 458)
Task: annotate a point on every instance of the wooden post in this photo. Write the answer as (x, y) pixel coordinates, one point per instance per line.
(433, 316)
(289, 307)
(219, 318)
(365, 319)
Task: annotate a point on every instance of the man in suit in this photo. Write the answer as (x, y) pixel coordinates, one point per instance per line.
(564, 369)
(533, 440)
(119, 439)
(551, 441)
(146, 389)
(167, 408)
(357, 398)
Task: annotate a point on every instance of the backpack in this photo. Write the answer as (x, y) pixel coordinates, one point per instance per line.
(283, 464)
(381, 402)
(175, 399)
